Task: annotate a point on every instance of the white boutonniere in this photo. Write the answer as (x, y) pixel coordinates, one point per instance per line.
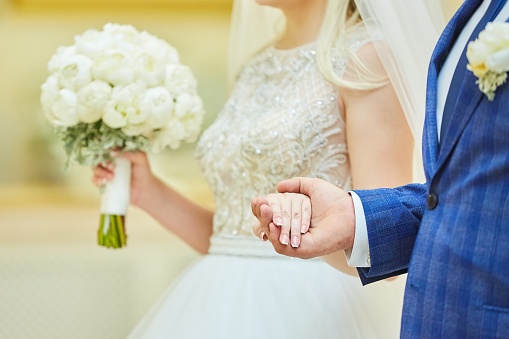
(488, 57)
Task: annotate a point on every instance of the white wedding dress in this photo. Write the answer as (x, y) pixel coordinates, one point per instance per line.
(282, 120)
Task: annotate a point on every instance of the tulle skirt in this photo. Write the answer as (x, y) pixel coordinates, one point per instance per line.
(233, 296)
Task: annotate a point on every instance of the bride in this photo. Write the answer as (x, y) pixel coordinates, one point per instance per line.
(312, 99)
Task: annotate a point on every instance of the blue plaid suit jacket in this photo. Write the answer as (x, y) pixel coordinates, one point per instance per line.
(456, 254)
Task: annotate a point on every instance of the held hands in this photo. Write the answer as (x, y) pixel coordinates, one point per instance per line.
(291, 212)
(330, 224)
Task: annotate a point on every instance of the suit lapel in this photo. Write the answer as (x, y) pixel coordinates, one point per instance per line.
(444, 44)
(469, 98)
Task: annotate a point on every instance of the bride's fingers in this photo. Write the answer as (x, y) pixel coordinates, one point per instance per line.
(281, 210)
(256, 203)
(261, 226)
(296, 221)
(276, 209)
(101, 175)
(286, 214)
(258, 231)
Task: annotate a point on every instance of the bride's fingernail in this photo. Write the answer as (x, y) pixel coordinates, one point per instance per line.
(278, 221)
(284, 239)
(303, 228)
(263, 237)
(295, 242)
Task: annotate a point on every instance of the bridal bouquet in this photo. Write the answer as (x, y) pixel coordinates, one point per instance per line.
(114, 90)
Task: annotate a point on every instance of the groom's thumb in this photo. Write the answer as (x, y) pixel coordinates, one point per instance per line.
(295, 185)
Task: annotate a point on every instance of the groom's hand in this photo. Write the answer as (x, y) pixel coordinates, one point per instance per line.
(332, 226)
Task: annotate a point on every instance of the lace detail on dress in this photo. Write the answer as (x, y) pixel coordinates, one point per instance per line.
(282, 120)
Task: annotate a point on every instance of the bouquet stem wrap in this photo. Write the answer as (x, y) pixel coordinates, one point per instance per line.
(114, 204)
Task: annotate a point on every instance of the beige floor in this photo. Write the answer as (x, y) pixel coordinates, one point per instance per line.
(55, 282)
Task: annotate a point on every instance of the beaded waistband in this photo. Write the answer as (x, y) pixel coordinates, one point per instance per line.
(241, 245)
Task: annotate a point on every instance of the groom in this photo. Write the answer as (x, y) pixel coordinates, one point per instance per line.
(452, 234)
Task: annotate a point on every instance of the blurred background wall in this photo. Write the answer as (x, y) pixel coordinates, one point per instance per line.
(54, 281)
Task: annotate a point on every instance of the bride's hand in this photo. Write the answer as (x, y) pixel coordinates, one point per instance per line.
(292, 213)
(142, 179)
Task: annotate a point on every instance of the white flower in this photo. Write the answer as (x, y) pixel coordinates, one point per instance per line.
(92, 43)
(179, 79)
(488, 57)
(114, 66)
(151, 42)
(171, 135)
(157, 104)
(62, 54)
(126, 80)
(151, 61)
(124, 37)
(63, 109)
(49, 93)
(91, 101)
(74, 72)
(498, 62)
(122, 108)
(183, 104)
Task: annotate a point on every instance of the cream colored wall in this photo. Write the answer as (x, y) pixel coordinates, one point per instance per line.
(450, 6)
(29, 36)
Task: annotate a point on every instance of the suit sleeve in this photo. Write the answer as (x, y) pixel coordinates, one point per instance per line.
(393, 216)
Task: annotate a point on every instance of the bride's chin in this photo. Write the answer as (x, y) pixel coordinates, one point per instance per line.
(280, 4)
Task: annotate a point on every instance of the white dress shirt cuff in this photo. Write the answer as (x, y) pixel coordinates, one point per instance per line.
(358, 256)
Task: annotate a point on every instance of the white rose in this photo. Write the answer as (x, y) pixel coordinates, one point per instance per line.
(62, 53)
(122, 108)
(49, 93)
(499, 61)
(157, 103)
(185, 104)
(151, 42)
(91, 101)
(171, 135)
(63, 110)
(478, 52)
(92, 43)
(151, 60)
(114, 66)
(179, 79)
(194, 120)
(487, 52)
(124, 37)
(74, 72)
(133, 130)
(495, 35)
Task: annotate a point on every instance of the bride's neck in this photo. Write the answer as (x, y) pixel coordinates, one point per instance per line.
(302, 25)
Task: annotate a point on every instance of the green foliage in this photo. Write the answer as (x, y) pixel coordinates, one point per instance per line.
(92, 144)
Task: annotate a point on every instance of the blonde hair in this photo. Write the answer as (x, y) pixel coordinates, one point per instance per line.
(339, 19)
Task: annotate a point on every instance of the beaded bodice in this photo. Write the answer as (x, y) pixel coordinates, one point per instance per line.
(282, 120)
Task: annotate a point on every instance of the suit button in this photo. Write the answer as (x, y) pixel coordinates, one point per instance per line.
(431, 201)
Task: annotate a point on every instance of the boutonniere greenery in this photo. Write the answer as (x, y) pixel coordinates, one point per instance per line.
(488, 57)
